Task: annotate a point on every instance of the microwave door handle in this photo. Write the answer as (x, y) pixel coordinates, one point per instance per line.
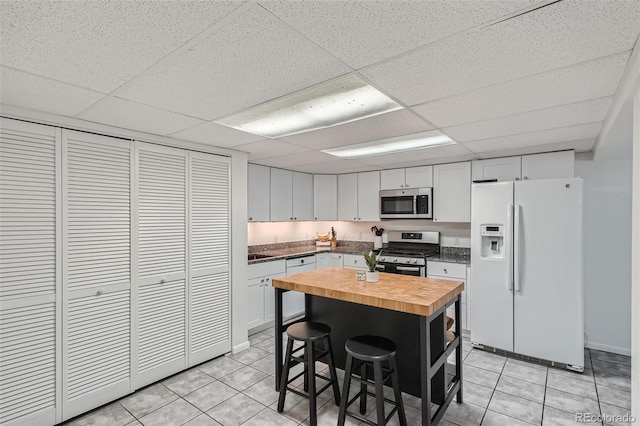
(381, 267)
(415, 204)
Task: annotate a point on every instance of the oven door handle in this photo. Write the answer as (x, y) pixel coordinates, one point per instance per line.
(408, 268)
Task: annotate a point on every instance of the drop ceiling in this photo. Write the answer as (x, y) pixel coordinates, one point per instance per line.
(499, 77)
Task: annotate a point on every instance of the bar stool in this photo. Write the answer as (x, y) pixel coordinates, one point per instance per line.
(311, 333)
(371, 350)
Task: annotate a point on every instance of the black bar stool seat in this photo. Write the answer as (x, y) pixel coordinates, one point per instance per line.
(371, 351)
(312, 334)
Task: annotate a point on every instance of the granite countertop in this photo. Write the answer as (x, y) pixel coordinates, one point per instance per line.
(296, 250)
(278, 251)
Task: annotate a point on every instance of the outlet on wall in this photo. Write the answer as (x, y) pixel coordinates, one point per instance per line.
(306, 235)
(456, 241)
(359, 236)
(275, 238)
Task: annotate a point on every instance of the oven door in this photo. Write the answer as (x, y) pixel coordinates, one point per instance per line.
(392, 268)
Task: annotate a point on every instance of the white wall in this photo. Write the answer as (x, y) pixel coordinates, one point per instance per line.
(451, 234)
(607, 252)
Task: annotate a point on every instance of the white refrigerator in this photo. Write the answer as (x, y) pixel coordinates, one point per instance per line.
(526, 268)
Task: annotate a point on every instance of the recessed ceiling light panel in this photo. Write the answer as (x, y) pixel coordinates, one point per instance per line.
(392, 145)
(335, 102)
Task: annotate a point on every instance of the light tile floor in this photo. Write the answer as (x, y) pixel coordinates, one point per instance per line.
(498, 390)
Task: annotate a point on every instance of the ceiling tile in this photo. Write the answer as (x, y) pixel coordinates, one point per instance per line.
(549, 118)
(256, 58)
(336, 166)
(382, 126)
(535, 139)
(42, 94)
(362, 33)
(300, 159)
(590, 80)
(96, 44)
(580, 145)
(131, 115)
(215, 134)
(269, 148)
(417, 155)
(558, 35)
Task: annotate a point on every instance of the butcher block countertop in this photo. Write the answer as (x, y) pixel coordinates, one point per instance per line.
(403, 293)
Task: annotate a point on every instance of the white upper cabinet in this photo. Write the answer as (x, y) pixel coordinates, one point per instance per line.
(418, 177)
(412, 177)
(551, 165)
(452, 192)
(302, 196)
(348, 197)
(368, 196)
(325, 197)
(500, 169)
(281, 195)
(259, 181)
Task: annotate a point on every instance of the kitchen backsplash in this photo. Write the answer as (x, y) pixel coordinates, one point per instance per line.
(266, 233)
(355, 245)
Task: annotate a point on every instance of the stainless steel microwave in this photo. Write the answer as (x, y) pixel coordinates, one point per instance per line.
(415, 203)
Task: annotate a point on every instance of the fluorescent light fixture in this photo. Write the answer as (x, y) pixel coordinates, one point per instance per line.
(328, 104)
(398, 144)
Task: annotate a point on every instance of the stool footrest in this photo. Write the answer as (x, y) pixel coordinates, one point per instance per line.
(369, 382)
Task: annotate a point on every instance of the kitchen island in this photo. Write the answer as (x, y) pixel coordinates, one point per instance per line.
(408, 310)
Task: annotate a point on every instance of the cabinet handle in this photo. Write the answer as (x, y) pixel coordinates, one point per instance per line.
(262, 280)
(525, 177)
(445, 270)
(401, 186)
(355, 261)
(354, 218)
(406, 186)
(359, 219)
(290, 218)
(250, 218)
(295, 218)
(268, 279)
(100, 292)
(316, 218)
(517, 178)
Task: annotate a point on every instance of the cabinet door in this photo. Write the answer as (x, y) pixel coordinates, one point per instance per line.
(209, 235)
(329, 260)
(348, 197)
(325, 197)
(369, 196)
(161, 263)
(270, 297)
(452, 192)
(256, 302)
(419, 177)
(28, 270)
(501, 169)
(551, 165)
(97, 270)
(259, 184)
(392, 179)
(281, 195)
(302, 196)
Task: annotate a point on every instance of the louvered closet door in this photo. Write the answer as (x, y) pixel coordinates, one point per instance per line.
(28, 273)
(160, 262)
(97, 271)
(209, 295)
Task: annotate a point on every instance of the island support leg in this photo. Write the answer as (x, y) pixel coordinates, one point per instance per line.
(458, 350)
(425, 367)
(278, 336)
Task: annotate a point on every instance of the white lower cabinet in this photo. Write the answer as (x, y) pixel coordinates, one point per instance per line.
(329, 260)
(355, 261)
(261, 307)
(293, 301)
(453, 272)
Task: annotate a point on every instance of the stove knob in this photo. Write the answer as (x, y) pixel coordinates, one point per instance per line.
(395, 260)
(414, 261)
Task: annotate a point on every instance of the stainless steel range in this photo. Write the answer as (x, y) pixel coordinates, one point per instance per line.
(407, 252)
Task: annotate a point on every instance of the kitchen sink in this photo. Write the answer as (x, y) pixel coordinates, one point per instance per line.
(258, 256)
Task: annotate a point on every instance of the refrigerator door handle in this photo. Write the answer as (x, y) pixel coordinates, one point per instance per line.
(516, 249)
(509, 246)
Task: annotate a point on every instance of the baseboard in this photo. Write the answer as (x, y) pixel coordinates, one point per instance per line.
(609, 348)
(241, 347)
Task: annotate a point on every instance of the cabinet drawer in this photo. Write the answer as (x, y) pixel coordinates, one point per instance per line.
(299, 261)
(266, 268)
(448, 270)
(354, 261)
